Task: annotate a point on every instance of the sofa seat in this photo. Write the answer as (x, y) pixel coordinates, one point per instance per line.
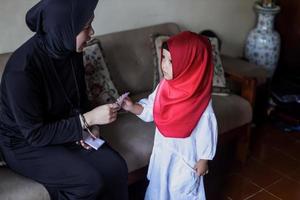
(134, 142)
(16, 187)
(231, 111)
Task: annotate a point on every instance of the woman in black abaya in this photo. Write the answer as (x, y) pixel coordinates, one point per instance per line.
(44, 108)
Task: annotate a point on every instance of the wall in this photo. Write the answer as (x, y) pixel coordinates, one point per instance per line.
(231, 19)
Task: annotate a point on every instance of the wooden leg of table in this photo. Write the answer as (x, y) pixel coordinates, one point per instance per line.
(243, 145)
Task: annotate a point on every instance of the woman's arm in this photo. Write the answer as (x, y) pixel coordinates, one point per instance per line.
(25, 101)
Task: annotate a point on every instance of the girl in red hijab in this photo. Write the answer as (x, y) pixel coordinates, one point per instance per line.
(186, 134)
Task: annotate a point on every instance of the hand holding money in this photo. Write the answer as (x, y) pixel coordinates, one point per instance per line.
(127, 104)
(120, 100)
(103, 114)
(132, 107)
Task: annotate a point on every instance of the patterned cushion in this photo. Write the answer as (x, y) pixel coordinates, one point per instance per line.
(100, 88)
(219, 82)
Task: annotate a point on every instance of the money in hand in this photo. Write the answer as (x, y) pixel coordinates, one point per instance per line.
(120, 100)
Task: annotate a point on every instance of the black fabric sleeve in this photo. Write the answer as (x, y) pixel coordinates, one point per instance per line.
(85, 103)
(25, 100)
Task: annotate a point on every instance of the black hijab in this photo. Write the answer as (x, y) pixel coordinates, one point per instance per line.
(58, 22)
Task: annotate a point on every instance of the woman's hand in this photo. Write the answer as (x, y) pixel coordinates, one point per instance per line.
(84, 145)
(104, 114)
(96, 133)
(127, 104)
(201, 167)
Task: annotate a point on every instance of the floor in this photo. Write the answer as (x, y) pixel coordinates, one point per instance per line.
(273, 170)
(271, 173)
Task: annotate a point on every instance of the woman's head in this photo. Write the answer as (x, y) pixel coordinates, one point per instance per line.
(84, 36)
(59, 22)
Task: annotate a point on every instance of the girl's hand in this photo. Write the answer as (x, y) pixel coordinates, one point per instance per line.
(127, 104)
(201, 167)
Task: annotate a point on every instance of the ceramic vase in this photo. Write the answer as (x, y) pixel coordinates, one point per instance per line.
(263, 42)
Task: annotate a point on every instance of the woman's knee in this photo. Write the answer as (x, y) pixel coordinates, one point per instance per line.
(93, 181)
(89, 184)
(81, 183)
(123, 167)
(120, 166)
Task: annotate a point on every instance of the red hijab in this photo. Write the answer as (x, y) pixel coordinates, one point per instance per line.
(180, 102)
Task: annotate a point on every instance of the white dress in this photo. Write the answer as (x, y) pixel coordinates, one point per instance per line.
(171, 174)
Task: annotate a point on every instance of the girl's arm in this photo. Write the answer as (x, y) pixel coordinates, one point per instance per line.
(206, 146)
(143, 109)
(134, 108)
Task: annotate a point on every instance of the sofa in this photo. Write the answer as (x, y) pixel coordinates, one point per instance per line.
(129, 55)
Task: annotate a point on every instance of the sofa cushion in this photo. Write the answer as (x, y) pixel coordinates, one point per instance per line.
(132, 138)
(140, 96)
(14, 186)
(129, 55)
(100, 88)
(231, 111)
(219, 82)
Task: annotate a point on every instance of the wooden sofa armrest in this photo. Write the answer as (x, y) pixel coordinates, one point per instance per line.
(248, 91)
(242, 68)
(248, 86)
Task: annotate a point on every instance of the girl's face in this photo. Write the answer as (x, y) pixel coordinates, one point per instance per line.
(84, 36)
(166, 65)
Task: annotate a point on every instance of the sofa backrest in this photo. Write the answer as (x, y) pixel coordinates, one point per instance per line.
(3, 60)
(130, 56)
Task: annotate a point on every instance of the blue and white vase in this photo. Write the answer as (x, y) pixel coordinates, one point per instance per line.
(263, 42)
